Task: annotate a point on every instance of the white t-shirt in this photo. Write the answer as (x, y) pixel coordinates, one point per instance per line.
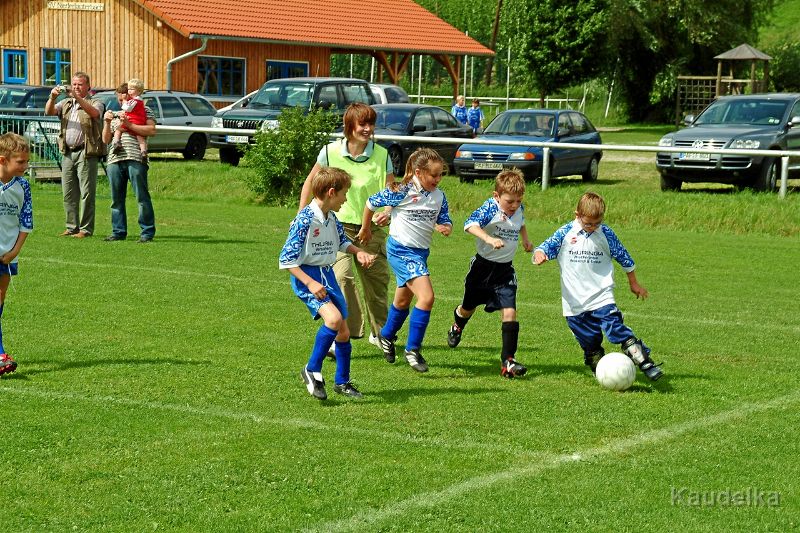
(313, 239)
(497, 224)
(16, 212)
(587, 273)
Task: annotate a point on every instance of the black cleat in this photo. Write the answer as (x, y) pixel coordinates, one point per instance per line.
(347, 389)
(315, 383)
(454, 336)
(388, 348)
(512, 369)
(415, 359)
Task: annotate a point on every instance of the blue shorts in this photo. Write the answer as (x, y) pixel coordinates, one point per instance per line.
(589, 327)
(326, 277)
(10, 269)
(408, 263)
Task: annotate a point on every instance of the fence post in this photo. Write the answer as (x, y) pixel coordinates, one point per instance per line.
(545, 167)
(784, 176)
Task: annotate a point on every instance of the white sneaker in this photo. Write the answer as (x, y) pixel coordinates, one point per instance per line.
(374, 340)
(332, 351)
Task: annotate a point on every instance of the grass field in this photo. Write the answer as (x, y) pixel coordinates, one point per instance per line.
(158, 386)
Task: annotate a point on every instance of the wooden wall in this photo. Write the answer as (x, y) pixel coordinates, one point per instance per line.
(124, 41)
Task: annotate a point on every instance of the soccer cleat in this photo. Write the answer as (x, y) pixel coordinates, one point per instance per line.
(374, 340)
(388, 348)
(512, 369)
(634, 349)
(7, 364)
(651, 370)
(315, 383)
(347, 389)
(591, 359)
(454, 336)
(415, 359)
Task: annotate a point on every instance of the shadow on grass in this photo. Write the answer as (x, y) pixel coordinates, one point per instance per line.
(23, 372)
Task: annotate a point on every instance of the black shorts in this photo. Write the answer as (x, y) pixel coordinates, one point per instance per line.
(491, 284)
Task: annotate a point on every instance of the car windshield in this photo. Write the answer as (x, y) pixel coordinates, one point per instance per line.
(530, 124)
(11, 97)
(393, 119)
(277, 95)
(749, 111)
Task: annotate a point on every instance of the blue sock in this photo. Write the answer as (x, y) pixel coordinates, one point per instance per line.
(2, 350)
(325, 336)
(416, 328)
(343, 352)
(393, 322)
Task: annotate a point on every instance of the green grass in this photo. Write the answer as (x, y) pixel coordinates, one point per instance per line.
(158, 385)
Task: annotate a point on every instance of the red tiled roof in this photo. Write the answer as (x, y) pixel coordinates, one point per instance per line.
(390, 25)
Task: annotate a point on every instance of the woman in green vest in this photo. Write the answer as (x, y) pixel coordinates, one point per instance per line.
(370, 171)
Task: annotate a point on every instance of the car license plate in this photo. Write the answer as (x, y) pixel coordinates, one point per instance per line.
(488, 166)
(240, 139)
(693, 156)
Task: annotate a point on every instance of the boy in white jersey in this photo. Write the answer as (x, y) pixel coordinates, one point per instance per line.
(16, 220)
(309, 253)
(419, 209)
(497, 225)
(584, 249)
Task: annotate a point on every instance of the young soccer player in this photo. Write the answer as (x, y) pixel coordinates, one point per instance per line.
(498, 225)
(584, 249)
(309, 253)
(16, 220)
(420, 208)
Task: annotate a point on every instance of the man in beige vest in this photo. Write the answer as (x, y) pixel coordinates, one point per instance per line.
(80, 141)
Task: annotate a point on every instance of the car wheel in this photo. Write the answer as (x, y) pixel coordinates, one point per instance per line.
(767, 178)
(592, 170)
(230, 155)
(195, 147)
(396, 157)
(668, 183)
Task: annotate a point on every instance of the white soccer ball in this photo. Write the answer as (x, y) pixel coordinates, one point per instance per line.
(615, 371)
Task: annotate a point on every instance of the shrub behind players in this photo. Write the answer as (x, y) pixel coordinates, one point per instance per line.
(309, 253)
(498, 225)
(420, 208)
(584, 249)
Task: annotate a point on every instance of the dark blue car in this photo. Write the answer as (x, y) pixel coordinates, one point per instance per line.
(476, 161)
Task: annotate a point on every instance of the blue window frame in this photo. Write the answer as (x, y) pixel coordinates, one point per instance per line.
(56, 66)
(286, 69)
(220, 76)
(15, 66)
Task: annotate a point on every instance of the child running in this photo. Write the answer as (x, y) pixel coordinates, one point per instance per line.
(16, 220)
(309, 253)
(420, 208)
(497, 225)
(584, 249)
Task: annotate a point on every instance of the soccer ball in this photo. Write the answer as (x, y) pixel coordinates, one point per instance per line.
(615, 371)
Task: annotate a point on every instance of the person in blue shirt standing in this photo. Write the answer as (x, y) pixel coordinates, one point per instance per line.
(459, 109)
(475, 117)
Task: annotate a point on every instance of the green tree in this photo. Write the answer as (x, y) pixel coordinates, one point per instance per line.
(282, 157)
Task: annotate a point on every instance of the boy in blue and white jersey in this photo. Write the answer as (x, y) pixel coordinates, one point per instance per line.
(309, 253)
(584, 249)
(419, 209)
(16, 220)
(498, 225)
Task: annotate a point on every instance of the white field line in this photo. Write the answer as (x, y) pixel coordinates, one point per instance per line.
(555, 307)
(371, 518)
(293, 423)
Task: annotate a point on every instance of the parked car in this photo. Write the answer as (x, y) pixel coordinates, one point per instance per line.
(474, 161)
(415, 121)
(24, 99)
(174, 108)
(331, 94)
(750, 122)
(386, 93)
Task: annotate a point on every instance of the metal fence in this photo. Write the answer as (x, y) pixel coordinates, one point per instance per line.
(41, 133)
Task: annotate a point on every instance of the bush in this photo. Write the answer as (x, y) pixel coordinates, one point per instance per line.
(785, 67)
(281, 158)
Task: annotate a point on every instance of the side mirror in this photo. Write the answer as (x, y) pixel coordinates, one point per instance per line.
(418, 128)
(794, 122)
(688, 119)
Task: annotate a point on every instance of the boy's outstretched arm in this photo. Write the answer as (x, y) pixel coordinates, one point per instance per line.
(636, 289)
(481, 234)
(444, 229)
(539, 257)
(364, 258)
(527, 245)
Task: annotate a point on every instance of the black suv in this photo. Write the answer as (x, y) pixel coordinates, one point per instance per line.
(331, 94)
(754, 122)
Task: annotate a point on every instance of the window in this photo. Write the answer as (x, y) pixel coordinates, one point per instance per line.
(424, 119)
(199, 106)
(220, 76)
(444, 119)
(286, 69)
(357, 92)
(15, 66)
(328, 98)
(564, 124)
(579, 123)
(152, 103)
(56, 67)
(171, 107)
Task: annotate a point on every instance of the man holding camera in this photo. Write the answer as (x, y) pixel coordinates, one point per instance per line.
(80, 140)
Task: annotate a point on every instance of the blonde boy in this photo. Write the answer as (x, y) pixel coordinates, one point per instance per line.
(16, 220)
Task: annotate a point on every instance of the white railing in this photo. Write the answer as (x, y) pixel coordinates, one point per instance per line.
(547, 146)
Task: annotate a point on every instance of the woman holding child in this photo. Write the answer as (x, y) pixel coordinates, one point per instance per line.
(370, 169)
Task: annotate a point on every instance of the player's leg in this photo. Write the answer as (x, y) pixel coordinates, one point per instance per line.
(462, 313)
(589, 335)
(422, 289)
(618, 333)
(7, 363)
(327, 332)
(509, 366)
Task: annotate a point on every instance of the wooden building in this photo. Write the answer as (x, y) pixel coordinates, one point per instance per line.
(220, 48)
